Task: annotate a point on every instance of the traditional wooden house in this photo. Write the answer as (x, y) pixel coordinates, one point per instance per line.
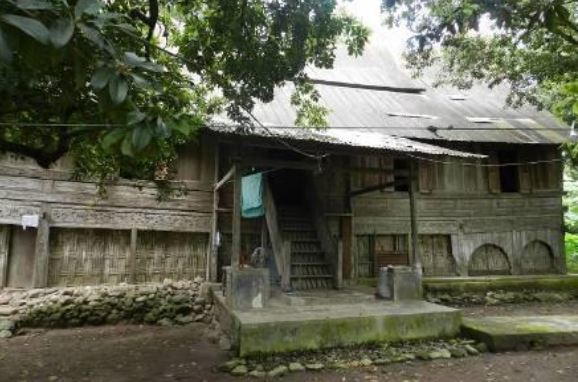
(406, 173)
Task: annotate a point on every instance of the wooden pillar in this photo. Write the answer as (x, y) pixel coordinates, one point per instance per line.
(4, 250)
(132, 256)
(286, 274)
(339, 266)
(42, 251)
(236, 245)
(415, 256)
(213, 248)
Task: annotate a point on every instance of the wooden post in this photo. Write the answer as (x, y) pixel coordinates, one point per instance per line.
(213, 248)
(132, 256)
(415, 256)
(286, 274)
(236, 245)
(339, 266)
(5, 233)
(42, 251)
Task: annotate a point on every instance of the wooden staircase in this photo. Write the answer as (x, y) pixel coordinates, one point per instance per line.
(309, 267)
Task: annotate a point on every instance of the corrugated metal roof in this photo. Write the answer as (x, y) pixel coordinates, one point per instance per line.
(359, 138)
(389, 113)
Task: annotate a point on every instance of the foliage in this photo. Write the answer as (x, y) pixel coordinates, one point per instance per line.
(531, 46)
(571, 241)
(90, 77)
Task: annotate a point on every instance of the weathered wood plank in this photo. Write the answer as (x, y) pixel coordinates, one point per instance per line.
(4, 251)
(236, 246)
(42, 250)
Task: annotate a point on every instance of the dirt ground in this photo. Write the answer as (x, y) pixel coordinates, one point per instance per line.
(146, 353)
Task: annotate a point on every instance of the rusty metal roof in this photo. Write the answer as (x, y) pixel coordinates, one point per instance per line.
(355, 138)
(438, 114)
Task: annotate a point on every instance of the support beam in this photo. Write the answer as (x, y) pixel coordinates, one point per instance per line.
(213, 252)
(225, 179)
(132, 256)
(280, 164)
(236, 245)
(378, 187)
(42, 251)
(415, 255)
(5, 233)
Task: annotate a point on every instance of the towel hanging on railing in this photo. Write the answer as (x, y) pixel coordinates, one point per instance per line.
(252, 196)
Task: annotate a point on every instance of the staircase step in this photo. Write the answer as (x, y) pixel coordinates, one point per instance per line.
(302, 264)
(311, 276)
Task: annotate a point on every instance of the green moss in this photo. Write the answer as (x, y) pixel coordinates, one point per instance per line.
(536, 283)
(281, 337)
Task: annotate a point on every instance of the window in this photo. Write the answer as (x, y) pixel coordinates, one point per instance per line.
(401, 179)
(509, 177)
(376, 251)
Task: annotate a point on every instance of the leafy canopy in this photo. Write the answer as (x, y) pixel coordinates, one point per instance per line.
(120, 84)
(531, 45)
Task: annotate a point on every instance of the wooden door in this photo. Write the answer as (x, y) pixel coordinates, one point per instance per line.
(21, 258)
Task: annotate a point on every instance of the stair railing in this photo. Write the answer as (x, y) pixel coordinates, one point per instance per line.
(328, 243)
(281, 248)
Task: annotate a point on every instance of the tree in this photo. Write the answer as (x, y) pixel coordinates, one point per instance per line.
(120, 84)
(531, 47)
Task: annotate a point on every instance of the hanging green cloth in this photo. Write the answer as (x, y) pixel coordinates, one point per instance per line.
(252, 196)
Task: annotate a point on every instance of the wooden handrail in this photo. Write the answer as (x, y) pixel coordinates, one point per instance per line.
(271, 218)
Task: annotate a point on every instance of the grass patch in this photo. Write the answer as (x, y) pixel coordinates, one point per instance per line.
(571, 241)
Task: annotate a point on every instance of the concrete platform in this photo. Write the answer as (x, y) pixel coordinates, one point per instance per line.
(316, 320)
(516, 333)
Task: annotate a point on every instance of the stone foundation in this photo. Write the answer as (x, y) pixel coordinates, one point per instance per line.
(168, 303)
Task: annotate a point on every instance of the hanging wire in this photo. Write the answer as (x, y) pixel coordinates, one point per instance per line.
(470, 164)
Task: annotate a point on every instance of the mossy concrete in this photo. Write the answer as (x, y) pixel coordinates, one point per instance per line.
(311, 327)
(557, 283)
(482, 284)
(515, 333)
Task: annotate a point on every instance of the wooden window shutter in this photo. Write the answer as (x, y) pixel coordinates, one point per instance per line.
(494, 175)
(426, 176)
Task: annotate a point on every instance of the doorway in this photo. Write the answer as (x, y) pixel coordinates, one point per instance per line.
(21, 257)
(288, 187)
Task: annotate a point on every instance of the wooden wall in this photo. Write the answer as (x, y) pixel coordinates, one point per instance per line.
(457, 201)
(89, 236)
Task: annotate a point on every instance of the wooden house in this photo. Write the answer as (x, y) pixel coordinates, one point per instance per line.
(406, 173)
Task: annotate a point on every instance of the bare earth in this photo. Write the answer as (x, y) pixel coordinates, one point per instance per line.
(146, 353)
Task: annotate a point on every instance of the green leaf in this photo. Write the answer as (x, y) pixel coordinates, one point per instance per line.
(61, 32)
(118, 89)
(141, 137)
(135, 117)
(30, 5)
(101, 77)
(161, 128)
(5, 51)
(30, 26)
(96, 38)
(575, 108)
(139, 81)
(86, 6)
(112, 138)
(132, 59)
(126, 146)
(151, 66)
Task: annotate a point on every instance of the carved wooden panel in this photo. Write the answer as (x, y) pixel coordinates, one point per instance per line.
(489, 260)
(436, 255)
(537, 259)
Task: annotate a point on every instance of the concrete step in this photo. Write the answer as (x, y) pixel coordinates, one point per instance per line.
(522, 332)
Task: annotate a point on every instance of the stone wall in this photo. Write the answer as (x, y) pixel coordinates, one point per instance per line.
(165, 303)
